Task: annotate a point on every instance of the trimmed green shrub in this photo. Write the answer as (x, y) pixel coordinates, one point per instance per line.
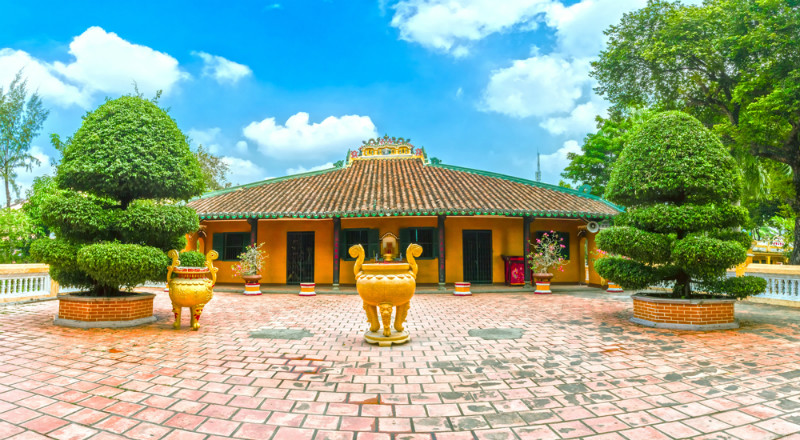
(112, 227)
(80, 217)
(637, 275)
(113, 265)
(679, 184)
(687, 217)
(643, 246)
(150, 224)
(130, 149)
(192, 259)
(58, 253)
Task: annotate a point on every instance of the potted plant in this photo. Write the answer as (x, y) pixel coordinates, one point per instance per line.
(249, 268)
(544, 257)
(111, 212)
(680, 185)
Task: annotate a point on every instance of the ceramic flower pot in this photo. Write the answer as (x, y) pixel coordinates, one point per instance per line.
(542, 282)
(252, 284)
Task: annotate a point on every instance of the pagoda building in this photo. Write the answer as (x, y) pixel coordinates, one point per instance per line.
(386, 195)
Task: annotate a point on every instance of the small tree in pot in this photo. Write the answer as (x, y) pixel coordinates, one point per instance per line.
(251, 261)
(112, 219)
(680, 186)
(546, 255)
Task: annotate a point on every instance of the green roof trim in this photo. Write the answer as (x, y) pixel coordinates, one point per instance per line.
(378, 213)
(526, 182)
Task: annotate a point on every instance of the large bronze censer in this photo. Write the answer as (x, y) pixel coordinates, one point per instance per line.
(190, 287)
(382, 287)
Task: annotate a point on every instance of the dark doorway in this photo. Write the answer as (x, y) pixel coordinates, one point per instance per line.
(478, 257)
(299, 257)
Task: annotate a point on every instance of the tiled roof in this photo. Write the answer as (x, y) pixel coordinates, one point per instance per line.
(398, 187)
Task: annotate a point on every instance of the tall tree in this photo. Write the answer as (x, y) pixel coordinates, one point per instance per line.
(733, 64)
(593, 165)
(21, 118)
(215, 170)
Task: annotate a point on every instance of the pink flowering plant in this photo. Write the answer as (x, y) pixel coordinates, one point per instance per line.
(546, 253)
(251, 261)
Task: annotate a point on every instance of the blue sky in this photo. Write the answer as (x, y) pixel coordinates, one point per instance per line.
(284, 86)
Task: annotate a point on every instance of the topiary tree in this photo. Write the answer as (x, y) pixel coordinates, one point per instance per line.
(680, 186)
(112, 220)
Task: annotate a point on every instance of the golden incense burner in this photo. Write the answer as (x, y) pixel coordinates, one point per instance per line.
(191, 287)
(382, 287)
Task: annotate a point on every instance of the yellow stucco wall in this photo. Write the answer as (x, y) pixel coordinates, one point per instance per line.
(506, 240)
(574, 270)
(428, 269)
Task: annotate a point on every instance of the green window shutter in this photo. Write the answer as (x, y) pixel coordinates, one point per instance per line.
(435, 244)
(374, 245)
(218, 244)
(405, 240)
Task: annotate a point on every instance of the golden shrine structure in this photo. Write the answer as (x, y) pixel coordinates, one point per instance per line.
(386, 195)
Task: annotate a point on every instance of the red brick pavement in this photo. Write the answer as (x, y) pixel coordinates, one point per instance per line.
(580, 370)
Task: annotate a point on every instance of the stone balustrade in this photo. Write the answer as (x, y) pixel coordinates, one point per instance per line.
(22, 282)
(783, 283)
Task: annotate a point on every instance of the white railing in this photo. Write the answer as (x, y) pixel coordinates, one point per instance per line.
(20, 282)
(783, 282)
(24, 281)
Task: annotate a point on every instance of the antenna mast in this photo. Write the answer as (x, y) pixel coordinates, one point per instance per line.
(538, 167)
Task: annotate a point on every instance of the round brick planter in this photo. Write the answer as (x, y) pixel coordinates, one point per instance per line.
(683, 314)
(101, 312)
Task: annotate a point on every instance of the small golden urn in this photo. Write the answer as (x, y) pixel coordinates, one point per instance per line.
(382, 287)
(190, 287)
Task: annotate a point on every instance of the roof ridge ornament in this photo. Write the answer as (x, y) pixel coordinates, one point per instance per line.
(386, 148)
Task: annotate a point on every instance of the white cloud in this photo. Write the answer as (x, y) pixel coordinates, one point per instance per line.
(207, 138)
(106, 63)
(221, 69)
(243, 170)
(538, 86)
(102, 63)
(579, 27)
(301, 169)
(448, 25)
(313, 141)
(580, 121)
(554, 163)
(41, 78)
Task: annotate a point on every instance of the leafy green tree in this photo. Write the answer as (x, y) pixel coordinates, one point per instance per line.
(600, 150)
(680, 185)
(43, 189)
(733, 64)
(21, 118)
(112, 223)
(214, 169)
(17, 232)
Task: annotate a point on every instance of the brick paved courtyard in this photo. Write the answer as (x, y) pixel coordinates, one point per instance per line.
(579, 370)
